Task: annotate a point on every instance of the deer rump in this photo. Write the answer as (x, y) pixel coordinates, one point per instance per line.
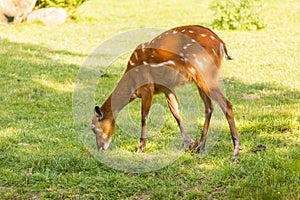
(175, 57)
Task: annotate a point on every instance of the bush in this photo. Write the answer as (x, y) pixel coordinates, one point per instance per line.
(237, 14)
(67, 4)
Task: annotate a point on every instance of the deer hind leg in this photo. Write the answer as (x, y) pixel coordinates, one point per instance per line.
(226, 106)
(173, 105)
(208, 110)
(147, 97)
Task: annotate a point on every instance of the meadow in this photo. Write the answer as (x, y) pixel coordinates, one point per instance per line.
(42, 153)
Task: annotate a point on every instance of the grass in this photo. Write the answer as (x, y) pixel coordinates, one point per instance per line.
(43, 156)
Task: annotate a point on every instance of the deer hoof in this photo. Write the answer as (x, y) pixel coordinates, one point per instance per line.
(140, 150)
(236, 151)
(199, 147)
(142, 145)
(192, 145)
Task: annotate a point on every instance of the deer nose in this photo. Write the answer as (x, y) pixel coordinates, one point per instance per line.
(100, 146)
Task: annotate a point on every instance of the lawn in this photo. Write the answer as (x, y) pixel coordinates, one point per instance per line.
(42, 151)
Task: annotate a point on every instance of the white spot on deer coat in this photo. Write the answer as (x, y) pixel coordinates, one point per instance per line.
(208, 111)
(215, 53)
(170, 62)
(222, 48)
(191, 31)
(136, 55)
(175, 32)
(193, 40)
(145, 63)
(192, 70)
(203, 35)
(212, 37)
(199, 64)
(186, 46)
(131, 62)
(183, 30)
(99, 130)
(134, 95)
(143, 47)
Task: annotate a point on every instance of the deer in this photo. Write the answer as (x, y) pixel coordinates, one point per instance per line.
(181, 55)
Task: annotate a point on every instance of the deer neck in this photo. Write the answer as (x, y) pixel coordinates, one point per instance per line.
(117, 100)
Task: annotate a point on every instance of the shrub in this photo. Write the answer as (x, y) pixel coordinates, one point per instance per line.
(67, 4)
(237, 14)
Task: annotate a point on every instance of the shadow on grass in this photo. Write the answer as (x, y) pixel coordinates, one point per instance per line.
(275, 111)
(267, 92)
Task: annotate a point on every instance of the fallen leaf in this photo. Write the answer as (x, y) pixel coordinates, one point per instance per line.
(23, 144)
(259, 148)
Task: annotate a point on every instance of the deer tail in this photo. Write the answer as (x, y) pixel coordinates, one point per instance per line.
(224, 51)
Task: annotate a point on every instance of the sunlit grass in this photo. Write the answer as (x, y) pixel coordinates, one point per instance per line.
(42, 153)
(66, 87)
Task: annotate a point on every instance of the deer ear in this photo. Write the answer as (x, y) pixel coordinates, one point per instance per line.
(98, 113)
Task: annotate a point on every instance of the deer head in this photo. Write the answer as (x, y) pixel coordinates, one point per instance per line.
(103, 127)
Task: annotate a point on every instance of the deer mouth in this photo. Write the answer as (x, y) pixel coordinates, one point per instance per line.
(103, 145)
(100, 146)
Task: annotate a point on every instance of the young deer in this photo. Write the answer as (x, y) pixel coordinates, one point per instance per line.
(180, 55)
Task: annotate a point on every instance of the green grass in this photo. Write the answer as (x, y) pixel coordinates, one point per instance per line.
(42, 155)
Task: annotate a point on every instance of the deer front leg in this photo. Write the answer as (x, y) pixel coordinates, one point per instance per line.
(147, 96)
